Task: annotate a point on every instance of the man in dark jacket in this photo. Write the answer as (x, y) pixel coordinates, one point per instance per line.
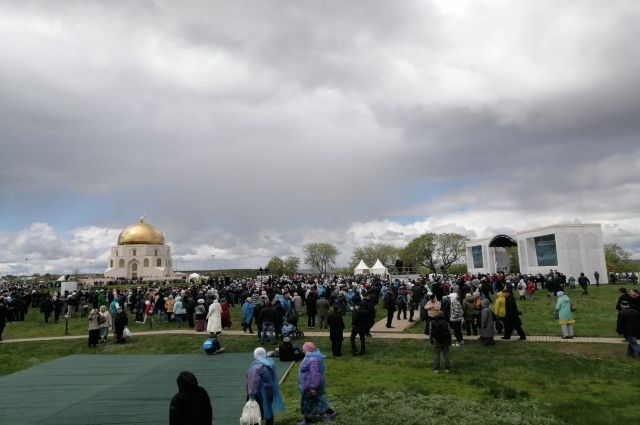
(191, 405)
(310, 302)
(359, 327)
(389, 304)
(4, 311)
(336, 328)
(119, 323)
(628, 325)
(512, 319)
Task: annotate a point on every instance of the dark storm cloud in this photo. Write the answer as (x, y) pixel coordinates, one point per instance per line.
(245, 126)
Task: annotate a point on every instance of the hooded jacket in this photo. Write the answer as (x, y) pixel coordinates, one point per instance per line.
(191, 404)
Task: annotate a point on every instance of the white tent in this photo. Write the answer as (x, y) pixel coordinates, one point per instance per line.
(378, 268)
(362, 268)
(194, 276)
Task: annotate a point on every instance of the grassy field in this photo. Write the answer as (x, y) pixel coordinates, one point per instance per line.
(595, 315)
(528, 383)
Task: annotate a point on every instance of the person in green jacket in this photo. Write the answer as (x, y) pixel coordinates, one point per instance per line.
(565, 315)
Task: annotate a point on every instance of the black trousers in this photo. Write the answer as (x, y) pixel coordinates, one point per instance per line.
(510, 325)
(336, 347)
(311, 320)
(94, 336)
(362, 334)
(389, 317)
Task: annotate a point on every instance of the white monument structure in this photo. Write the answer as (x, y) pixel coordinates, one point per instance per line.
(141, 253)
(569, 248)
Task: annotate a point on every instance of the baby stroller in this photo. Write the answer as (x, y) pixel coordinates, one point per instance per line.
(290, 327)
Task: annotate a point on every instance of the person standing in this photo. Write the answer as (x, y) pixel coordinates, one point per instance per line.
(94, 328)
(596, 276)
(456, 316)
(500, 311)
(46, 307)
(247, 315)
(440, 338)
(628, 325)
(179, 311)
(120, 322)
(322, 306)
(105, 323)
(583, 281)
(200, 313)
(4, 311)
(512, 317)
(311, 383)
(262, 385)
(336, 329)
(389, 304)
(191, 405)
(214, 318)
(359, 327)
(312, 299)
(487, 327)
(565, 315)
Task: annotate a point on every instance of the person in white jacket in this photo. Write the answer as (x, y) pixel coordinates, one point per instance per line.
(214, 318)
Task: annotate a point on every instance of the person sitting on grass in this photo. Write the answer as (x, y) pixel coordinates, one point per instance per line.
(289, 352)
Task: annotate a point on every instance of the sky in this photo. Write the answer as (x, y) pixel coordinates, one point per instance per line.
(244, 130)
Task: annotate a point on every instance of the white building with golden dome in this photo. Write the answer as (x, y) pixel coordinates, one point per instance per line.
(140, 254)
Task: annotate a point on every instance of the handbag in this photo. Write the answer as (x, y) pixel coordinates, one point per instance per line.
(556, 314)
(250, 413)
(126, 333)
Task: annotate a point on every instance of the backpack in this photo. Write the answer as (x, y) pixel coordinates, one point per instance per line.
(477, 304)
(440, 331)
(210, 346)
(400, 301)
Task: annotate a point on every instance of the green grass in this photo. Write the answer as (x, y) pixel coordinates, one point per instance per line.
(595, 316)
(530, 383)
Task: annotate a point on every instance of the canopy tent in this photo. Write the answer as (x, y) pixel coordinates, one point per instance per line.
(194, 276)
(379, 268)
(361, 268)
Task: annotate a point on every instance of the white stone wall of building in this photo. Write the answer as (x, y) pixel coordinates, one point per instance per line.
(579, 248)
(125, 260)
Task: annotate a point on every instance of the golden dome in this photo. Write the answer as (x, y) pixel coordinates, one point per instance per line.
(141, 233)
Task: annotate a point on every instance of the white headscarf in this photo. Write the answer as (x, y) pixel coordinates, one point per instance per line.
(259, 352)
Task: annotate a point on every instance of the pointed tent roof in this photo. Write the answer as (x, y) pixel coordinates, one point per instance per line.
(361, 268)
(378, 268)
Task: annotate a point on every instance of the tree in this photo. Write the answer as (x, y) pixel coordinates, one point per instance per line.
(436, 252)
(275, 266)
(451, 248)
(615, 257)
(320, 255)
(387, 254)
(291, 265)
(421, 252)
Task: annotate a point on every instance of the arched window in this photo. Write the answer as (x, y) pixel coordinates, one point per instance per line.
(146, 262)
(159, 262)
(121, 263)
(134, 267)
(155, 252)
(111, 263)
(134, 253)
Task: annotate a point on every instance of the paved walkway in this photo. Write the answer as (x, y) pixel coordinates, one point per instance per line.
(395, 333)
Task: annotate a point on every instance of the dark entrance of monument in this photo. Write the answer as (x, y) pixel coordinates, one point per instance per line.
(506, 258)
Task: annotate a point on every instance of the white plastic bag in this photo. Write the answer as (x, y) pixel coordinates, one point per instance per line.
(126, 333)
(250, 413)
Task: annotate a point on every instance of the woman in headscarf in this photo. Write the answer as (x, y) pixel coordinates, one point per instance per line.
(565, 315)
(313, 402)
(487, 329)
(105, 323)
(178, 311)
(94, 328)
(456, 315)
(262, 385)
(201, 316)
(214, 318)
(225, 314)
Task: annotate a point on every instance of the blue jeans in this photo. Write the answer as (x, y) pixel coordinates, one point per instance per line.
(267, 327)
(633, 349)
